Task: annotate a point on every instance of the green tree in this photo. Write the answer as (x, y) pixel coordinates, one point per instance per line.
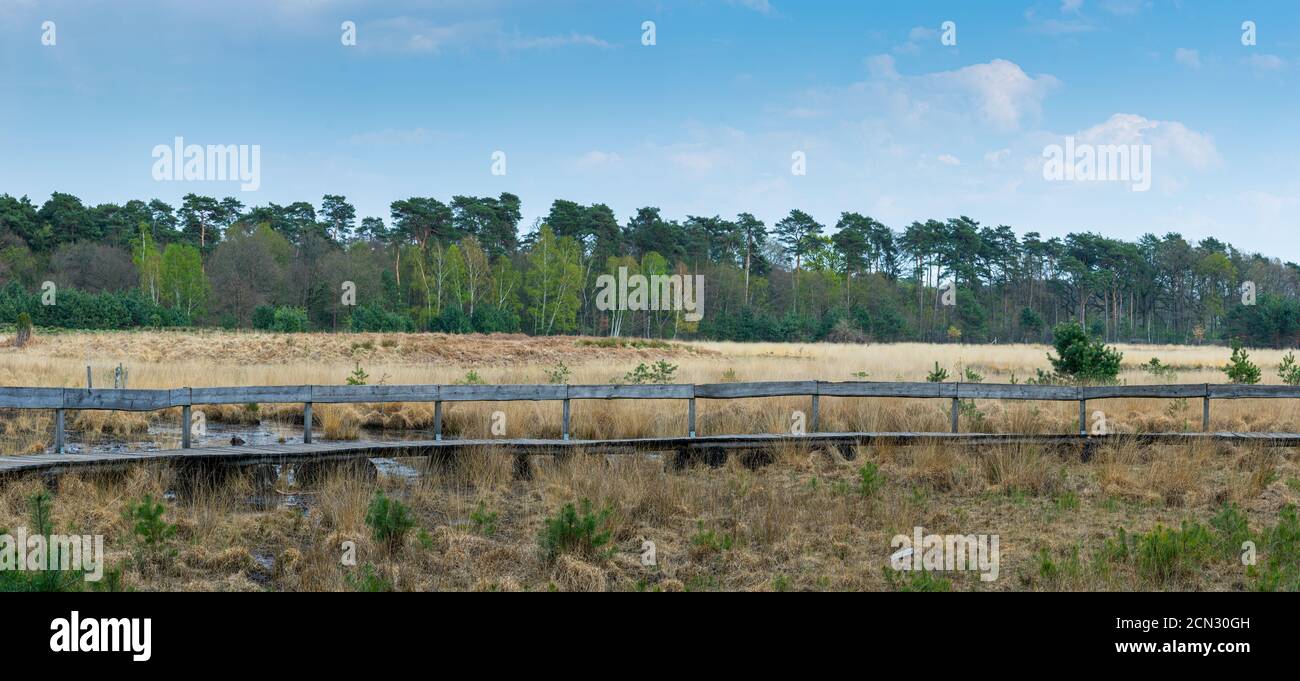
(183, 283)
(148, 262)
(551, 283)
(798, 233)
(853, 243)
(1289, 370)
(754, 235)
(1081, 358)
(200, 217)
(506, 282)
(1239, 367)
(339, 216)
(1031, 322)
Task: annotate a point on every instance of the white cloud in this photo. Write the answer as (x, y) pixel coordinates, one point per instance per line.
(1266, 206)
(1197, 149)
(695, 161)
(949, 159)
(396, 137)
(922, 33)
(1265, 62)
(1168, 139)
(1071, 6)
(1001, 93)
(1056, 26)
(597, 159)
(546, 42)
(996, 157)
(998, 94)
(1124, 7)
(419, 36)
(918, 36)
(881, 66)
(1188, 57)
(760, 6)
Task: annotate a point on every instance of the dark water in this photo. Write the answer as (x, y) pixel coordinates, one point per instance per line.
(221, 435)
(275, 484)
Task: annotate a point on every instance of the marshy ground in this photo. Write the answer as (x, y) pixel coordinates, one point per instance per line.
(808, 520)
(1133, 517)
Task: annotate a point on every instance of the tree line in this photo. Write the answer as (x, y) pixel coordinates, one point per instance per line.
(467, 266)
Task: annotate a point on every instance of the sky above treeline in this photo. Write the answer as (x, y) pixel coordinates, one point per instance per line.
(889, 120)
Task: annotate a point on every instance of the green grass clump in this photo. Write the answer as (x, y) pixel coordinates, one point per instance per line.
(152, 536)
(368, 580)
(915, 580)
(711, 541)
(869, 480)
(572, 531)
(485, 521)
(1280, 546)
(389, 520)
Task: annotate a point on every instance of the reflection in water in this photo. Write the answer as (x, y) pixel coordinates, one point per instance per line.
(274, 485)
(394, 468)
(168, 436)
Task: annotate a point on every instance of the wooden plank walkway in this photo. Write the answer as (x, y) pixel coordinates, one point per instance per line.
(61, 400)
(333, 451)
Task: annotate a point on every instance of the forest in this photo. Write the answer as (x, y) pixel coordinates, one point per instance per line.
(468, 265)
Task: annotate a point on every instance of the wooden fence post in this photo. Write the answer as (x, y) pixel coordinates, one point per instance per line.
(1205, 413)
(58, 431)
(1083, 417)
(816, 413)
(565, 431)
(954, 414)
(306, 423)
(690, 418)
(185, 427)
(437, 419)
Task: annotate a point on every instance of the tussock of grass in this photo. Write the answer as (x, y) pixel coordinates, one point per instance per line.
(811, 518)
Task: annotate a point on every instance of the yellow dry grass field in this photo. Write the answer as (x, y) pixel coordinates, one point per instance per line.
(1132, 517)
(213, 358)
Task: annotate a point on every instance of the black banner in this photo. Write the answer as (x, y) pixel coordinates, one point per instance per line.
(167, 631)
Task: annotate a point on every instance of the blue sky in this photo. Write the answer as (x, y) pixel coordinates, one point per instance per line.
(893, 123)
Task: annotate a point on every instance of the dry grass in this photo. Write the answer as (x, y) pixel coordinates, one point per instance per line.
(340, 422)
(799, 522)
(157, 359)
(170, 359)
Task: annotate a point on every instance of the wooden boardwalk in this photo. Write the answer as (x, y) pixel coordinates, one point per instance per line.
(685, 448)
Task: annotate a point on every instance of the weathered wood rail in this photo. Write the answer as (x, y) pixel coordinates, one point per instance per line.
(62, 399)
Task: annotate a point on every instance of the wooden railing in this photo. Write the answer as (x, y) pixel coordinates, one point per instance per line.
(62, 399)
